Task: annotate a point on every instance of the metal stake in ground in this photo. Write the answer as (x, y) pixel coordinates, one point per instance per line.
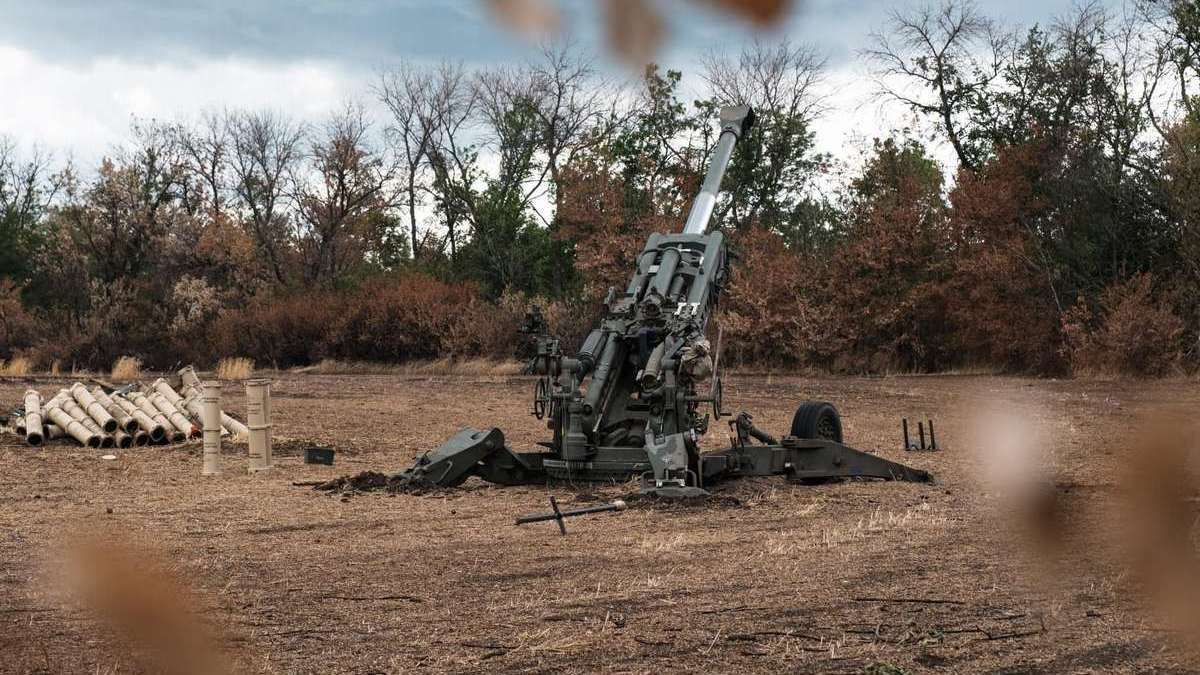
(558, 515)
(212, 428)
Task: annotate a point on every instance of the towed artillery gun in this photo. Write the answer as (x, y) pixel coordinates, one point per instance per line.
(629, 402)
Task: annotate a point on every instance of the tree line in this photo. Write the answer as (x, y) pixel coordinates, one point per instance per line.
(1064, 239)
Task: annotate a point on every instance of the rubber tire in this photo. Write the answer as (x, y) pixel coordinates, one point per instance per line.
(811, 416)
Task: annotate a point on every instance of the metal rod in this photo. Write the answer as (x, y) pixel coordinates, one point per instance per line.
(932, 440)
(558, 514)
(921, 431)
(904, 424)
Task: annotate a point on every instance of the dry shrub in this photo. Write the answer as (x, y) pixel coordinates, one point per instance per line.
(123, 316)
(339, 367)
(414, 317)
(127, 369)
(335, 367)
(1134, 333)
(280, 331)
(396, 319)
(18, 328)
(195, 303)
(410, 317)
(238, 368)
(17, 367)
(442, 366)
(768, 318)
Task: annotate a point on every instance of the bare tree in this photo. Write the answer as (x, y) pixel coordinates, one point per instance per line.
(574, 108)
(507, 99)
(453, 154)
(266, 150)
(938, 61)
(411, 94)
(344, 197)
(776, 165)
(578, 109)
(27, 187)
(782, 78)
(206, 149)
(1174, 29)
(131, 209)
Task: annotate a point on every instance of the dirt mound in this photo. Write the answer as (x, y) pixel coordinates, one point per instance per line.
(373, 481)
(367, 481)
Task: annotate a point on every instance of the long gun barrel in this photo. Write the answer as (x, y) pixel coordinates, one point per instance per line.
(735, 121)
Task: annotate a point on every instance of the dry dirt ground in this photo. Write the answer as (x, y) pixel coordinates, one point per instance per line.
(859, 577)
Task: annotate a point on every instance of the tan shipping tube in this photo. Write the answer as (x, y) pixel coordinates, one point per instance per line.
(139, 399)
(178, 419)
(93, 408)
(211, 419)
(157, 432)
(72, 408)
(56, 414)
(257, 411)
(124, 420)
(33, 418)
(234, 427)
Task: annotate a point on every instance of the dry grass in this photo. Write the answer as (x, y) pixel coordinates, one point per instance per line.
(476, 366)
(446, 366)
(235, 369)
(127, 369)
(18, 367)
(784, 581)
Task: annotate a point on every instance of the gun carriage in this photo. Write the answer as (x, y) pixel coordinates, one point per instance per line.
(645, 385)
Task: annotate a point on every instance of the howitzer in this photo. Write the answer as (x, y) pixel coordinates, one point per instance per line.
(636, 397)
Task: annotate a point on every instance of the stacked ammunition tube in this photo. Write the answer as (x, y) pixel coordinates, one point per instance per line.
(127, 417)
(210, 409)
(258, 418)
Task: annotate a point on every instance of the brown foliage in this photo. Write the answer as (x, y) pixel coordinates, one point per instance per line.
(394, 319)
(999, 294)
(280, 331)
(884, 290)
(1134, 333)
(768, 317)
(412, 316)
(17, 327)
(608, 237)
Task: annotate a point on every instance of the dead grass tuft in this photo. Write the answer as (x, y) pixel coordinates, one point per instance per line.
(127, 369)
(18, 367)
(238, 368)
(443, 366)
(466, 366)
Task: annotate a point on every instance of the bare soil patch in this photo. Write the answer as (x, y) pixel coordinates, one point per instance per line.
(855, 577)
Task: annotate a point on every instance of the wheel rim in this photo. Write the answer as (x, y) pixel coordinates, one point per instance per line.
(827, 428)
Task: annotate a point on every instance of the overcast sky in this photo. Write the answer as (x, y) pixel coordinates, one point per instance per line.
(74, 72)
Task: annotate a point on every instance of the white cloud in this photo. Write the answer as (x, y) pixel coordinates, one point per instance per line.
(86, 109)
